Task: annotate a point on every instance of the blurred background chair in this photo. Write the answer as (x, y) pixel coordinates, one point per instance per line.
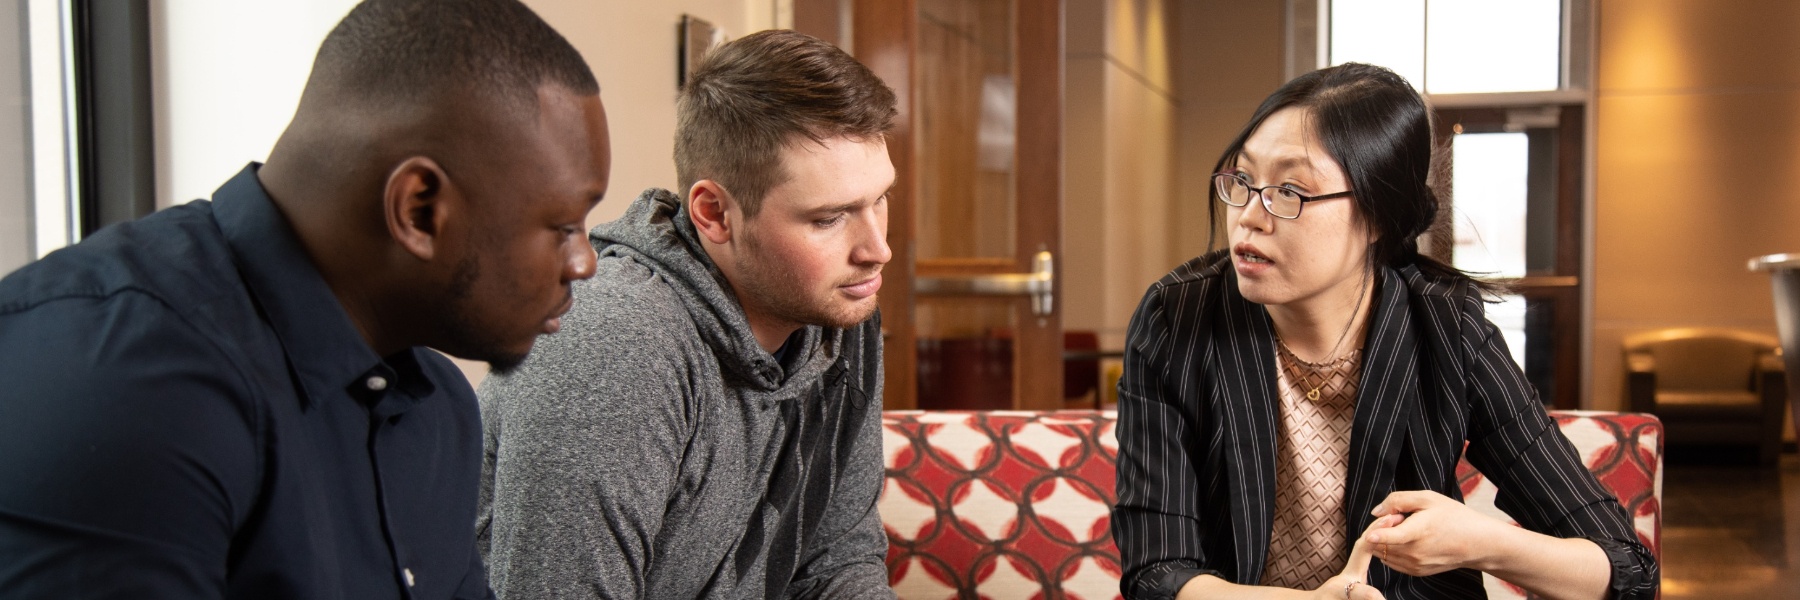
(1081, 370)
(976, 373)
(1710, 386)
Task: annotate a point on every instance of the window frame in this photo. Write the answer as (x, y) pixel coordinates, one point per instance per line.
(1566, 288)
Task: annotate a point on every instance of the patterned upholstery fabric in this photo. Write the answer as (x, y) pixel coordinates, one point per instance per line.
(1011, 504)
(1624, 451)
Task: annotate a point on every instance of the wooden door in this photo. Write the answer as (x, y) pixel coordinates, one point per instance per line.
(969, 305)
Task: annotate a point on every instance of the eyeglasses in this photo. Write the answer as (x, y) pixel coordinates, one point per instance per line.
(1279, 201)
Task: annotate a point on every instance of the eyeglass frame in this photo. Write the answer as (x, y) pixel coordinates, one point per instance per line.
(1269, 205)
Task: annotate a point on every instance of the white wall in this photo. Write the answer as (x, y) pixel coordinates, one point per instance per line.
(631, 47)
(228, 75)
(1690, 93)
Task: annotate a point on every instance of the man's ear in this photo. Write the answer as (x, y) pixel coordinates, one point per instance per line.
(414, 203)
(713, 211)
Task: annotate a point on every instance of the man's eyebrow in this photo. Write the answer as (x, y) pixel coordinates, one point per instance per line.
(838, 208)
(851, 205)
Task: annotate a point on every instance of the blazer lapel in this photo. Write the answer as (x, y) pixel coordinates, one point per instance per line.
(1386, 402)
(1245, 390)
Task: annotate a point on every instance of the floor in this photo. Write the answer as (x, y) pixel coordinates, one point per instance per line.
(1730, 531)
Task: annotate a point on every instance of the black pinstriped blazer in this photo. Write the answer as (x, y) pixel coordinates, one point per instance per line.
(1197, 434)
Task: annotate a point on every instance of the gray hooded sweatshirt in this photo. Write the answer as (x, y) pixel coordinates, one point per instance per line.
(652, 449)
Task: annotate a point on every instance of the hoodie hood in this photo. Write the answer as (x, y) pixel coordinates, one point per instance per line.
(656, 232)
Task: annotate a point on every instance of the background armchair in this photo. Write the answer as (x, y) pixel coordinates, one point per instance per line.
(1710, 386)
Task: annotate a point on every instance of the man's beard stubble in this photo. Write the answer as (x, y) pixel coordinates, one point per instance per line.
(461, 332)
(775, 286)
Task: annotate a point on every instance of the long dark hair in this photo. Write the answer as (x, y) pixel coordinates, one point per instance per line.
(1378, 129)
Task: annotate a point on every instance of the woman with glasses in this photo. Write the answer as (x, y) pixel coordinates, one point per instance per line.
(1294, 404)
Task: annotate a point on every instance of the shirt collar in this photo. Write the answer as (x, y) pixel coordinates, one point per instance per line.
(325, 351)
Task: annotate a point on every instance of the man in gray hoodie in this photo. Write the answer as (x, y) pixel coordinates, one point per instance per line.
(708, 424)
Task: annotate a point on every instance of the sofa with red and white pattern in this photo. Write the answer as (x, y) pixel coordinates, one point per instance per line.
(1014, 504)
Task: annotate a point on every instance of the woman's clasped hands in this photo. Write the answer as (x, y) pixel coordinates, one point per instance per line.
(1352, 583)
(1428, 533)
(1418, 533)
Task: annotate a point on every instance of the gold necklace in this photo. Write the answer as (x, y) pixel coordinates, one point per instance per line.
(1331, 359)
(1309, 372)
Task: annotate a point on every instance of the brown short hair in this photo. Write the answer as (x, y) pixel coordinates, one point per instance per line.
(750, 97)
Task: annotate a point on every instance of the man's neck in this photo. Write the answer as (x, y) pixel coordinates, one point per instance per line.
(770, 334)
(322, 241)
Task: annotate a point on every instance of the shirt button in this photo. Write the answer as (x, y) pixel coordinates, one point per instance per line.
(407, 573)
(376, 383)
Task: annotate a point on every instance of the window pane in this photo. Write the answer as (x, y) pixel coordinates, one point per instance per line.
(49, 52)
(1509, 315)
(1488, 195)
(15, 141)
(1543, 359)
(1390, 33)
(1488, 46)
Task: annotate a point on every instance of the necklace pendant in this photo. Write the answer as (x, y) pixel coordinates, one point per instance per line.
(1312, 394)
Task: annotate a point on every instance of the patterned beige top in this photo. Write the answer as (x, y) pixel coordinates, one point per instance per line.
(1318, 402)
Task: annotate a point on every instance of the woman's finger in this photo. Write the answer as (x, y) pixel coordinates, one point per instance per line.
(1360, 553)
(1408, 501)
(1363, 550)
(1397, 530)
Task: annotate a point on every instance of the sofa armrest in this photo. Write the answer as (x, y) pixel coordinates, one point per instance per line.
(1770, 362)
(1622, 450)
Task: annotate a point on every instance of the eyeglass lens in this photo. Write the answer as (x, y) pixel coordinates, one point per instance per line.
(1282, 202)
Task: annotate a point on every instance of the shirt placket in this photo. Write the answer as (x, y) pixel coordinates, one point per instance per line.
(385, 406)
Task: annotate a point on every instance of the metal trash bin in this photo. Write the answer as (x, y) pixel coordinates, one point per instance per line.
(1784, 269)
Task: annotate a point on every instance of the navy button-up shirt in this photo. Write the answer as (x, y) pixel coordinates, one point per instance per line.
(186, 411)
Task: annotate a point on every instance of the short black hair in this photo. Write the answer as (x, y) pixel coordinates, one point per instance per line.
(411, 51)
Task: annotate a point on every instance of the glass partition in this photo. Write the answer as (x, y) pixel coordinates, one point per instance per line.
(968, 109)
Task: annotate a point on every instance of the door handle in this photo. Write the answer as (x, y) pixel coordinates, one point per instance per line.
(1040, 284)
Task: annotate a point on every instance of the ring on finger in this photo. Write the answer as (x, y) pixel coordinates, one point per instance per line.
(1350, 586)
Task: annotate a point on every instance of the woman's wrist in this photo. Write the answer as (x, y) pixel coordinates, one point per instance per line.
(1549, 566)
(1501, 549)
(1511, 548)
